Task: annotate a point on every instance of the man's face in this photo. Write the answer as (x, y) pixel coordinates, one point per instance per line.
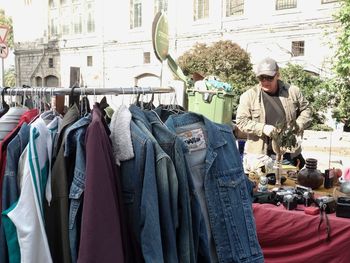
(268, 83)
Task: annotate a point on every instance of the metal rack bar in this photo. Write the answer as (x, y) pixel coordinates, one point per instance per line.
(86, 91)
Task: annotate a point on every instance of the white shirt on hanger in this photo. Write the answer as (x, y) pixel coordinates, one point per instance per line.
(28, 215)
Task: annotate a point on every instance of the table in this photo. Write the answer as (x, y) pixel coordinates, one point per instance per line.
(292, 236)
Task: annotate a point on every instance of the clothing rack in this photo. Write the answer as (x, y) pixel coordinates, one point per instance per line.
(84, 91)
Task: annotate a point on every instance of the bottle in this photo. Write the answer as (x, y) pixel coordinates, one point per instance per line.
(328, 178)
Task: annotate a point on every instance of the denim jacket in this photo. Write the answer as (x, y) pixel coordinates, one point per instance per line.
(75, 149)
(167, 186)
(189, 234)
(140, 197)
(227, 192)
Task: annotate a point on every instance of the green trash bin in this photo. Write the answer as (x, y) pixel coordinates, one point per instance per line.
(216, 105)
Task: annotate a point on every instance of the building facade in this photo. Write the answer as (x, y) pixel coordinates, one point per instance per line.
(108, 43)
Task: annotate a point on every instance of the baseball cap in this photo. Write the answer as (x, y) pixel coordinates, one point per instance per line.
(267, 66)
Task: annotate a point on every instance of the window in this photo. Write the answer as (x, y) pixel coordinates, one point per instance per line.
(53, 26)
(160, 5)
(65, 28)
(77, 20)
(65, 20)
(90, 17)
(234, 7)
(50, 62)
(201, 9)
(77, 25)
(90, 23)
(89, 61)
(52, 3)
(328, 1)
(135, 13)
(298, 48)
(146, 57)
(285, 4)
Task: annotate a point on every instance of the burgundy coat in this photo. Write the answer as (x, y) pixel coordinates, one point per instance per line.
(100, 239)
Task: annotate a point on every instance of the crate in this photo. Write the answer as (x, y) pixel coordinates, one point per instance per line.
(214, 104)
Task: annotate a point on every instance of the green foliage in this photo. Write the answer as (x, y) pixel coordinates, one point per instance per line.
(342, 65)
(342, 111)
(321, 127)
(7, 21)
(317, 91)
(224, 59)
(10, 77)
(285, 137)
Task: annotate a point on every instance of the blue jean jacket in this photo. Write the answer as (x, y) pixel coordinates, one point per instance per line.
(75, 149)
(192, 242)
(227, 192)
(167, 187)
(10, 193)
(140, 198)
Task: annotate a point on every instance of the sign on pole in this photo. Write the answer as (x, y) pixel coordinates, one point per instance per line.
(3, 32)
(160, 36)
(4, 51)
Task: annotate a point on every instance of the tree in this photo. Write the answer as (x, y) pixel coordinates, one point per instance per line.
(342, 65)
(223, 59)
(317, 91)
(10, 77)
(7, 21)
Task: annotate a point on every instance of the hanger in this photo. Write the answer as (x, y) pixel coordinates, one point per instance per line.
(73, 99)
(86, 103)
(95, 97)
(133, 96)
(142, 104)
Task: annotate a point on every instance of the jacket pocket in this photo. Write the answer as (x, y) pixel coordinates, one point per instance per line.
(293, 108)
(238, 214)
(256, 114)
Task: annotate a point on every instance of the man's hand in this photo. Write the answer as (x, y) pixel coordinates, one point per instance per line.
(268, 129)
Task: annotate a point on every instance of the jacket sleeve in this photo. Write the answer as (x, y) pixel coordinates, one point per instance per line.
(304, 117)
(247, 118)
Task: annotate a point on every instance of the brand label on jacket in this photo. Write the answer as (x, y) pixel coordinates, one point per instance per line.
(194, 139)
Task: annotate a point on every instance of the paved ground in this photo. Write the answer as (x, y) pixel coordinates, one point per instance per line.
(331, 149)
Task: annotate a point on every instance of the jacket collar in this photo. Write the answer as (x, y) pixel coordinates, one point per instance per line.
(121, 135)
(139, 115)
(214, 131)
(71, 116)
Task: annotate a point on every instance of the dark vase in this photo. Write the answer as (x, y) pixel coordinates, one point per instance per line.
(309, 176)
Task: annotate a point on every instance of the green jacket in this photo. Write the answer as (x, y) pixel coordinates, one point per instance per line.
(251, 115)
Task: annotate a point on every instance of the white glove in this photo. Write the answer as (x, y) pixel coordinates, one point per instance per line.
(268, 129)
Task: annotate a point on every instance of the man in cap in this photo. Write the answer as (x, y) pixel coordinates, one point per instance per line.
(267, 104)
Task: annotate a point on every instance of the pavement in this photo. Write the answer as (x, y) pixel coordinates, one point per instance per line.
(331, 149)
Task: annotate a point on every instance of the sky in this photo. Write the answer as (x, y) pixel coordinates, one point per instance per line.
(7, 6)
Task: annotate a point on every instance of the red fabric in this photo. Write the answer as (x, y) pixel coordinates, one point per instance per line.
(292, 236)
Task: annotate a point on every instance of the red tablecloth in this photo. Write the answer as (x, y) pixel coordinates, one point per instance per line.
(292, 236)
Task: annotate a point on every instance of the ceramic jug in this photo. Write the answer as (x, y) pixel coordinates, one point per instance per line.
(310, 176)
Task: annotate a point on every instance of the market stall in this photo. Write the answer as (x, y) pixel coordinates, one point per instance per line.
(296, 236)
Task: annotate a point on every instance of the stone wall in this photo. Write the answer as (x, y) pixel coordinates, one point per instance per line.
(32, 61)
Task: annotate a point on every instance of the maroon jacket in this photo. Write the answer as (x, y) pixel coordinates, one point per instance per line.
(101, 237)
